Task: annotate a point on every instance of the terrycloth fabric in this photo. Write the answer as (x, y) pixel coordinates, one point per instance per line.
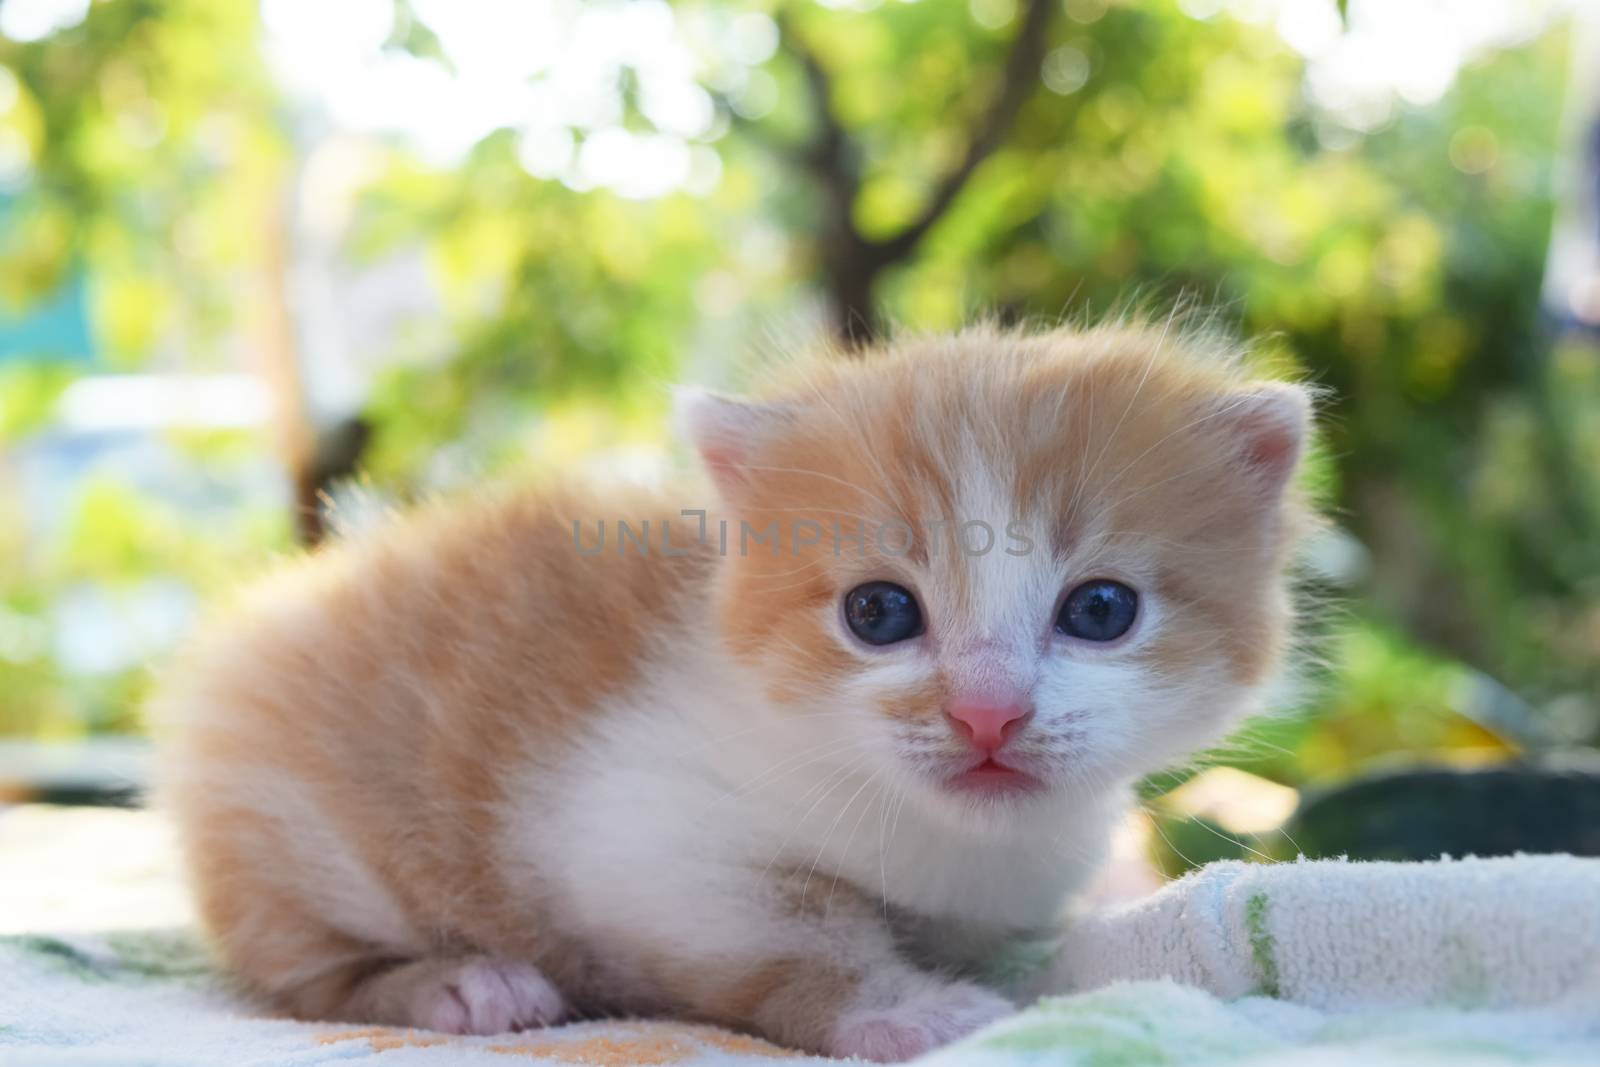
(150, 1000)
(1145, 1024)
(1473, 933)
(1471, 962)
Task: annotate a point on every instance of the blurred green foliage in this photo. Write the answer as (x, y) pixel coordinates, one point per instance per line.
(1156, 159)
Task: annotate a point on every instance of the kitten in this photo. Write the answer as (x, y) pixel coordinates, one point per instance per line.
(809, 765)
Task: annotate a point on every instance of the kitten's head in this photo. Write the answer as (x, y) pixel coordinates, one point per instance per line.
(999, 568)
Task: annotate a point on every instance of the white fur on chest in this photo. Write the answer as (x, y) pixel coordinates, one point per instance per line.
(692, 790)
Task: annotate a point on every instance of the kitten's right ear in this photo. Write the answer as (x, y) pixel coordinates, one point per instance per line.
(1267, 428)
(726, 432)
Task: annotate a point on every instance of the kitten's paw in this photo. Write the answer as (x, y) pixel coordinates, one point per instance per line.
(920, 1023)
(486, 996)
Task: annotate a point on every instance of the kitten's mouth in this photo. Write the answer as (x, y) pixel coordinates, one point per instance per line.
(994, 778)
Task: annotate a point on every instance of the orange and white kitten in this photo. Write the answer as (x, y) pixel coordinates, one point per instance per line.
(806, 766)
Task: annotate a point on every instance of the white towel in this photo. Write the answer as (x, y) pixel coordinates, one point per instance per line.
(1520, 931)
(150, 999)
(1477, 963)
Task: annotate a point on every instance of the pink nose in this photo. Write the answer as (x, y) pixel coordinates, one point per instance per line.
(987, 724)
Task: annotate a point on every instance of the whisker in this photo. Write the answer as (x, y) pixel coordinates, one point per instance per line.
(829, 835)
(832, 748)
(794, 827)
(878, 798)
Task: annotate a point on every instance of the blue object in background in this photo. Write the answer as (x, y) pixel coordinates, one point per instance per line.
(54, 328)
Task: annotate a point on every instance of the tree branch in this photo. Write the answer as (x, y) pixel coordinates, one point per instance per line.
(851, 262)
(832, 154)
(1020, 78)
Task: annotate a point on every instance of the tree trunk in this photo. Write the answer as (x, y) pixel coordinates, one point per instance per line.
(278, 362)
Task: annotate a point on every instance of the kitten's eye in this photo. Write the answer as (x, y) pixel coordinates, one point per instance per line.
(881, 613)
(1101, 610)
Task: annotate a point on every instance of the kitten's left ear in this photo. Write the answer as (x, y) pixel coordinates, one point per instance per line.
(726, 432)
(1268, 426)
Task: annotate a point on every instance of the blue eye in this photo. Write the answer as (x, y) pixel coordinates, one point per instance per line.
(881, 613)
(1101, 610)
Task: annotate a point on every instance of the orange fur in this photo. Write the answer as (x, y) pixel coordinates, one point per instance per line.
(893, 432)
(396, 681)
(347, 755)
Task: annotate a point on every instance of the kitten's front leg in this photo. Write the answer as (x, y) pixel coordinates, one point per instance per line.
(815, 967)
(898, 1013)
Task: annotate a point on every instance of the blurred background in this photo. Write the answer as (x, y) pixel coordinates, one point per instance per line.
(265, 269)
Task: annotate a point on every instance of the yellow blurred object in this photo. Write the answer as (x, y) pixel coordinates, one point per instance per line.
(1237, 801)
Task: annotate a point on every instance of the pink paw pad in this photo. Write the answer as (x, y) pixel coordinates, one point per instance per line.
(922, 1022)
(485, 996)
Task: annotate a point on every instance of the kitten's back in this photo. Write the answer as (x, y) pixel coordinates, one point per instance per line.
(340, 748)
